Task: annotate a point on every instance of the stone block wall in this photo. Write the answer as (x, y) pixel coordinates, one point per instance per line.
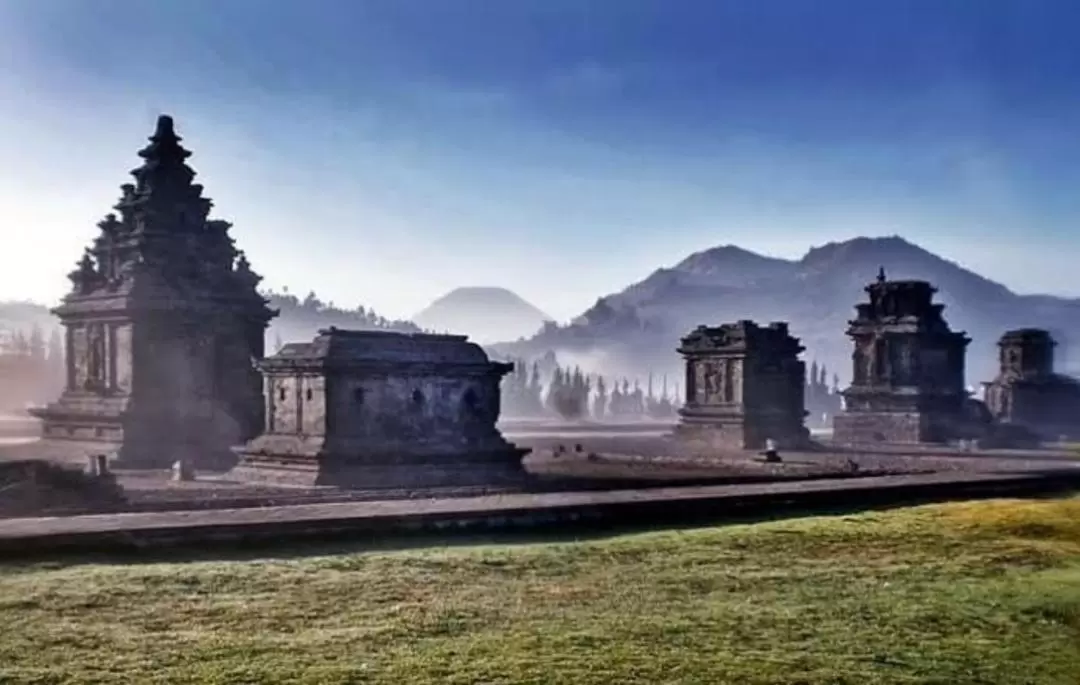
(880, 427)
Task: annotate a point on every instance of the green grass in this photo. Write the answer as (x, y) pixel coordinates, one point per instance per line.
(984, 592)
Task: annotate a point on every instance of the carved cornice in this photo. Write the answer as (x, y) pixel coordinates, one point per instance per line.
(277, 366)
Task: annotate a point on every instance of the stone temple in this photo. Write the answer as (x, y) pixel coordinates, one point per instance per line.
(908, 369)
(162, 324)
(1027, 393)
(377, 409)
(744, 385)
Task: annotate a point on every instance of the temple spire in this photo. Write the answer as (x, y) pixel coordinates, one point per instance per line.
(164, 148)
(881, 275)
(165, 128)
(164, 185)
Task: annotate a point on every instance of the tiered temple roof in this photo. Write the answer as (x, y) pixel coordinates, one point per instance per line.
(162, 238)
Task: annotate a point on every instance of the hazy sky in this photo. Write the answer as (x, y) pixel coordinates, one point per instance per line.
(385, 151)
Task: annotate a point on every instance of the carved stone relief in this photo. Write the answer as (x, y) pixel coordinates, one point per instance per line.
(713, 381)
(95, 358)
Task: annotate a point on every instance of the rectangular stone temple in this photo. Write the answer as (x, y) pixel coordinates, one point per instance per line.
(908, 370)
(163, 324)
(1027, 393)
(744, 385)
(382, 410)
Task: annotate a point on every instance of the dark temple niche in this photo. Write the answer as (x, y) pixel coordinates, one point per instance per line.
(375, 409)
(163, 323)
(744, 386)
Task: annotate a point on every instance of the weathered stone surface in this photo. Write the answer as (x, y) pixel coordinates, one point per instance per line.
(908, 375)
(162, 324)
(378, 409)
(1027, 393)
(744, 385)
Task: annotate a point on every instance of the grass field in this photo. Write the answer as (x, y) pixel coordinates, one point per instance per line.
(983, 592)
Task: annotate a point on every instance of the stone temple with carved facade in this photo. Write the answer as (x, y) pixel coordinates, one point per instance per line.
(382, 410)
(744, 386)
(908, 370)
(163, 324)
(1027, 393)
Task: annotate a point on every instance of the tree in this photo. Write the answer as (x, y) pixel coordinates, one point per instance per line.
(600, 403)
(36, 343)
(311, 301)
(56, 346)
(21, 344)
(551, 401)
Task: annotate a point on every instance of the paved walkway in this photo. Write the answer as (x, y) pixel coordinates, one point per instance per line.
(12, 530)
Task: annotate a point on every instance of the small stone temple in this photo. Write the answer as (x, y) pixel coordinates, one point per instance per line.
(377, 409)
(1027, 392)
(908, 369)
(163, 324)
(744, 385)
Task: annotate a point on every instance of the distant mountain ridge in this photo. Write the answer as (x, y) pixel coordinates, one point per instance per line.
(732, 265)
(471, 311)
(298, 319)
(301, 319)
(485, 314)
(636, 330)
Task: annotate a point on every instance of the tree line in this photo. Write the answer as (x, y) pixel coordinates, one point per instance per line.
(569, 393)
(300, 319)
(32, 367)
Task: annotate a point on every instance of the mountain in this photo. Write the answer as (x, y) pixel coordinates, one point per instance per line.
(484, 314)
(298, 320)
(635, 331)
(301, 320)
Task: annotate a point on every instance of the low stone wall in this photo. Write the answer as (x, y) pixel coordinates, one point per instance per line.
(868, 428)
(369, 521)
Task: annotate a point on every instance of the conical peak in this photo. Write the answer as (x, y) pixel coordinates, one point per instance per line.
(165, 180)
(164, 165)
(164, 144)
(164, 128)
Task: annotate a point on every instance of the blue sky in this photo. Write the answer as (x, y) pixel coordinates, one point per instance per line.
(385, 151)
